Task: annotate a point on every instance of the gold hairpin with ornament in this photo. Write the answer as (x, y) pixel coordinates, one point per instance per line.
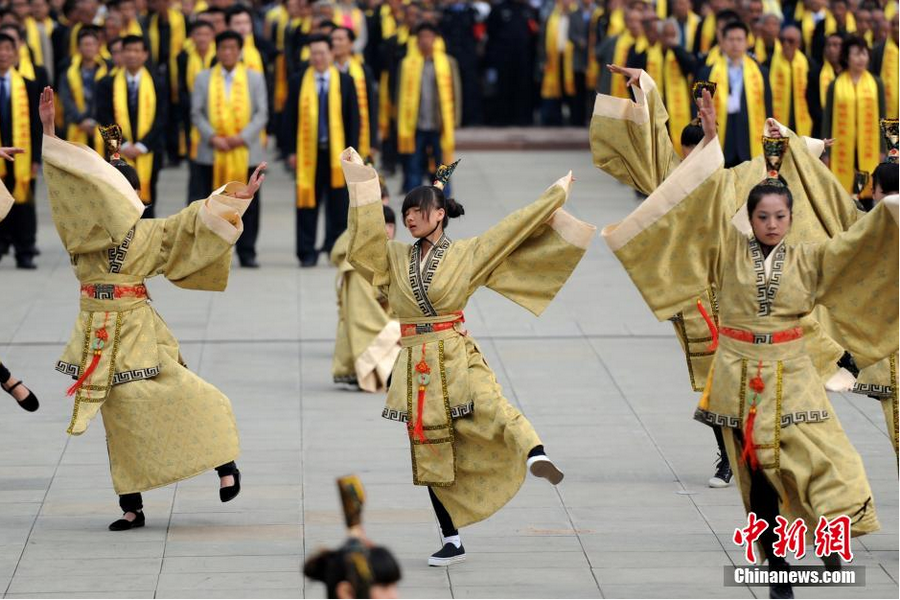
(774, 149)
(112, 139)
(889, 129)
(442, 177)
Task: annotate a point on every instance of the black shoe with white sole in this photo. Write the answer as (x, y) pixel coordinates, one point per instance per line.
(448, 555)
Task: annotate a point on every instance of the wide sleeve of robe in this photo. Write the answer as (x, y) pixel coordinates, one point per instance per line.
(529, 255)
(671, 244)
(630, 139)
(858, 283)
(6, 201)
(192, 248)
(368, 251)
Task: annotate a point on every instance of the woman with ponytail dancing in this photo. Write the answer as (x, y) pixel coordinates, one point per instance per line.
(468, 445)
(790, 454)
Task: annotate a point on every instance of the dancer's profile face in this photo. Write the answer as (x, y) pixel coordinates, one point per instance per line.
(771, 219)
(421, 223)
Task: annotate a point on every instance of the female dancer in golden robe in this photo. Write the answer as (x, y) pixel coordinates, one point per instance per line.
(789, 452)
(467, 443)
(12, 386)
(163, 423)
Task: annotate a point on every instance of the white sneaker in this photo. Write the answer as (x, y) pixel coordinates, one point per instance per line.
(541, 466)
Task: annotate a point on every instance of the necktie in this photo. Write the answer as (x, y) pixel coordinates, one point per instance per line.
(323, 110)
(132, 94)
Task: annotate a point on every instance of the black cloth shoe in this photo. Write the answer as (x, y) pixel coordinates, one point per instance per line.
(227, 494)
(448, 555)
(249, 262)
(780, 590)
(125, 524)
(723, 475)
(309, 261)
(30, 403)
(25, 262)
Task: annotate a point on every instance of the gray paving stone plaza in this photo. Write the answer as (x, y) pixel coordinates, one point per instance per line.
(604, 384)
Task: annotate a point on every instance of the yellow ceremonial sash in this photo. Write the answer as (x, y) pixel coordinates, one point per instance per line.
(662, 9)
(550, 87)
(33, 37)
(281, 75)
(228, 115)
(754, 91)
(351, 19)
(788, 81)
(410, 94)
(808, 27)
(277, 14)
(177, 35)
(890, 10)
(196, 63)
(616, 23)
(690, 30)
(854, 127)
(889, 77)
(308, 135)
(592, 73)
(251, 57)
(715, 54)
(21, 138)
(146, 115)
(388, 22)
(73, 77)
(618, 87)
(25, 66)
(761, 53)
(826, 76)
(708, 33)
(678, 98)
(356, 71)
(656, 66)
(73, 39)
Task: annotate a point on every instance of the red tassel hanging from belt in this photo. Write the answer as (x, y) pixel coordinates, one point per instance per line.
(712, 327)
(424, 378)
(96, 346)
(749, 451)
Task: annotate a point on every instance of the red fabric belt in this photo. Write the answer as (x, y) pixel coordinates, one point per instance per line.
(779, 337)
(108, 291)
(411, 329)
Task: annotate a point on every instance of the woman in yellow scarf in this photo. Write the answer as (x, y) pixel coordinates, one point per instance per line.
(854, 106)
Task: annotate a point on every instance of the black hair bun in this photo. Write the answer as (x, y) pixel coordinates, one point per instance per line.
(453, 208)
(317, 567)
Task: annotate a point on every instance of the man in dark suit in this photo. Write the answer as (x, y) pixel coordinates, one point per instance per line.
(146, 144)
(19, 229)
(730, 70)
(324, 190)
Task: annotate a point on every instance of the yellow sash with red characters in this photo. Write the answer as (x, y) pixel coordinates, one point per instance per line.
(308, 135)
(890, 78)
(228, 115)
(618, 87)
(788, 81)
(25, 66)
(708, 33)
(754, 91)
(146, 115)
(33, 37)
(194, 64)
(356, 71)
(280, 92)
(558, 69)
(826, 76)
(21, 138)
(592, 73)
(251, 57)
(410, 94)
(678, 98)
(73, 77)
(854, 127)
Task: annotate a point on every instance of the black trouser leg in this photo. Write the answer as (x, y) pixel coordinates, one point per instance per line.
(720, 440)
(336, 208)
(199, 181)
(4, 374)
(764, 502)
(246, 244)
(229, 468)
(131, 502)
(443, 516)
(19, 228)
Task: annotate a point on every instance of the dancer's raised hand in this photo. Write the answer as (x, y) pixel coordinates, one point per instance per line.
(254, 184)
(47, 111)
(9, 153)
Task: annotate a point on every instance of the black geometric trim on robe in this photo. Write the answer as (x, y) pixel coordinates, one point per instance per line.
(117, 255)
(120, 377)
(873, 389)
(456, 412)
(715, 419)
(420, 279)
(766, 290)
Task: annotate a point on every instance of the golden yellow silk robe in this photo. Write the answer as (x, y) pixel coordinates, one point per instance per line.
(163, 423)
(677, 242)
(477, 443)
(368, 338)
(630, 141)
